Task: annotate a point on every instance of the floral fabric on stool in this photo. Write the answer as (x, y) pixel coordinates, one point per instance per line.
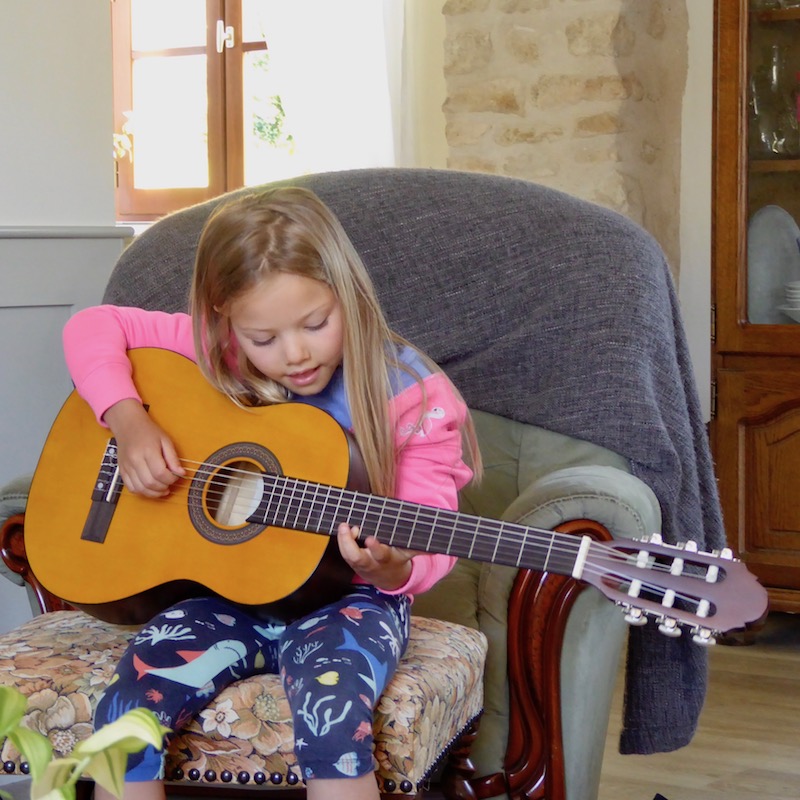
(63, 660)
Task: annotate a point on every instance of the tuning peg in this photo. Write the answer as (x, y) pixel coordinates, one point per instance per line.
(669, 627)
(704, 636)
(635, 616)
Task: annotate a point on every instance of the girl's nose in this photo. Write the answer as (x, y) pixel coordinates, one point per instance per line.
(295, 350)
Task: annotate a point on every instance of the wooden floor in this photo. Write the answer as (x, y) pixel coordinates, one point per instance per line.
(748, 742)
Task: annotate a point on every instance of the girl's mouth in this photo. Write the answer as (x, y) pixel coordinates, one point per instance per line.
(304, 378)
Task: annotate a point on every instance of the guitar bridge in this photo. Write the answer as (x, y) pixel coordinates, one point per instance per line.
(106, 493)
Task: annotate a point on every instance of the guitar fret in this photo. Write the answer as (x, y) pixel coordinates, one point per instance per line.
(522, 548)
(298, 505)
(335, 512)
(365, 511)
(410, 534)
(547, 554)
(449, 548)
(395, 523)
(310, 525)
(284, 506)
(432, 531)
(322, 503)
(472, 546)
(497, 541)
(377, 524)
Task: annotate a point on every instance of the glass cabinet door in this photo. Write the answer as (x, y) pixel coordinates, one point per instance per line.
(773, 162)
(755, 407)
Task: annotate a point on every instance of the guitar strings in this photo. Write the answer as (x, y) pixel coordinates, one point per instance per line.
(607, 561)
(360, 502)
(512, 534)
(524, 532)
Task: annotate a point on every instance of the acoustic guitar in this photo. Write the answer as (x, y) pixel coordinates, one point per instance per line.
(254, 521)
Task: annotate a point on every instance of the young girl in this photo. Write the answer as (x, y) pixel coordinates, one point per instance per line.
(282, 309)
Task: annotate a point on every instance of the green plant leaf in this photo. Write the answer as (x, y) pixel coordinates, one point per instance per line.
(132, 732)
(36, 748)
(107, 769)
(57, 781)
(12, 709)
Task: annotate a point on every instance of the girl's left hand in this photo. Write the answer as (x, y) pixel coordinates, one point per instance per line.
(385, 567)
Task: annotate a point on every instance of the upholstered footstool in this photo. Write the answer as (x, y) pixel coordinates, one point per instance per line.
(426, 717)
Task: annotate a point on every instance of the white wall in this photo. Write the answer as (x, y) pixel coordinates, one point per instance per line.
(694, 286)
(425, 88)
(55, 97)
(56, 171)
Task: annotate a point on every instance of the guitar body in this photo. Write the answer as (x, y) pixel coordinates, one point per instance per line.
(126, 558)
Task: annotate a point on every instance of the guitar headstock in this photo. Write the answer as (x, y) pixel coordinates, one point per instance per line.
(677, 586)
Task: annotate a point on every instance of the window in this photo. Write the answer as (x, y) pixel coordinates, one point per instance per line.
(212, 95)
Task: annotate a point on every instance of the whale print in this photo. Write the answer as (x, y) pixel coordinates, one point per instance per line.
(201, 665)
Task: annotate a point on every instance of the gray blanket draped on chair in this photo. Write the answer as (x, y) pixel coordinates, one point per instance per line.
(591, 334)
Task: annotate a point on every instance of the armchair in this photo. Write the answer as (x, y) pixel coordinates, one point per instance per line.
(557, 320)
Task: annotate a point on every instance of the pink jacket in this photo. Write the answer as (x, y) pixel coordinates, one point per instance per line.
(430, 467)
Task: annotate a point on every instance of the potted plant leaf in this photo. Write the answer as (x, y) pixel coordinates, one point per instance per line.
(102, 757)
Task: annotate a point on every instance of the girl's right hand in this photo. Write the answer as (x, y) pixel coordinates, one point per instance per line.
(147, 459)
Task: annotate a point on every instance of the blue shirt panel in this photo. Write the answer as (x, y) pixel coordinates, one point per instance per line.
(333, 398)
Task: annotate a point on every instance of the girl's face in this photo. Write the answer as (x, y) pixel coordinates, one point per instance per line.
(291, 330)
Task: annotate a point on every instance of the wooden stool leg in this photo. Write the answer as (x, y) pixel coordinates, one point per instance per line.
(458, 768)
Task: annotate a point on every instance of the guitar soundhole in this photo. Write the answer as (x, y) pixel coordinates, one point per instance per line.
(227, 489)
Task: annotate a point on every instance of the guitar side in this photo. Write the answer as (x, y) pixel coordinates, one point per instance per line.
(152, 552)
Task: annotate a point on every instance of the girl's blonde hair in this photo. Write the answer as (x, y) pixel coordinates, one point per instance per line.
(290, 230)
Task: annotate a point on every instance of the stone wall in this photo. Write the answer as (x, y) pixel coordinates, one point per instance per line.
(581, 95)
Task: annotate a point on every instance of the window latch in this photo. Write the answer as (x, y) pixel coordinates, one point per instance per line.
(225, 37)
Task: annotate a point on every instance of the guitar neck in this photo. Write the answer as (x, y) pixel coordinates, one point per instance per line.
(317, 508)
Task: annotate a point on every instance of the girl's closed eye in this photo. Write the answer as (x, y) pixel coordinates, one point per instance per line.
(264, 342)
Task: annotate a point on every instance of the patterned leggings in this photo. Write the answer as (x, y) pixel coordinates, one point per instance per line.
(334, 665)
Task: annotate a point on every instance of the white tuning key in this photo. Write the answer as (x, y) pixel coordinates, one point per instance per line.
(703, 636)
(669, 627)
(635, 616)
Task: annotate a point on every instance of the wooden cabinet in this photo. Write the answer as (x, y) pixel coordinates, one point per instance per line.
(755, 426)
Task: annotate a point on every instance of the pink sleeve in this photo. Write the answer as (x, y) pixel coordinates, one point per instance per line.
(96, 341)
(430, 469)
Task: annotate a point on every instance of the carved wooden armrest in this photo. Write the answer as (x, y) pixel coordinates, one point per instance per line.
(12, 550)
(538, 610)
